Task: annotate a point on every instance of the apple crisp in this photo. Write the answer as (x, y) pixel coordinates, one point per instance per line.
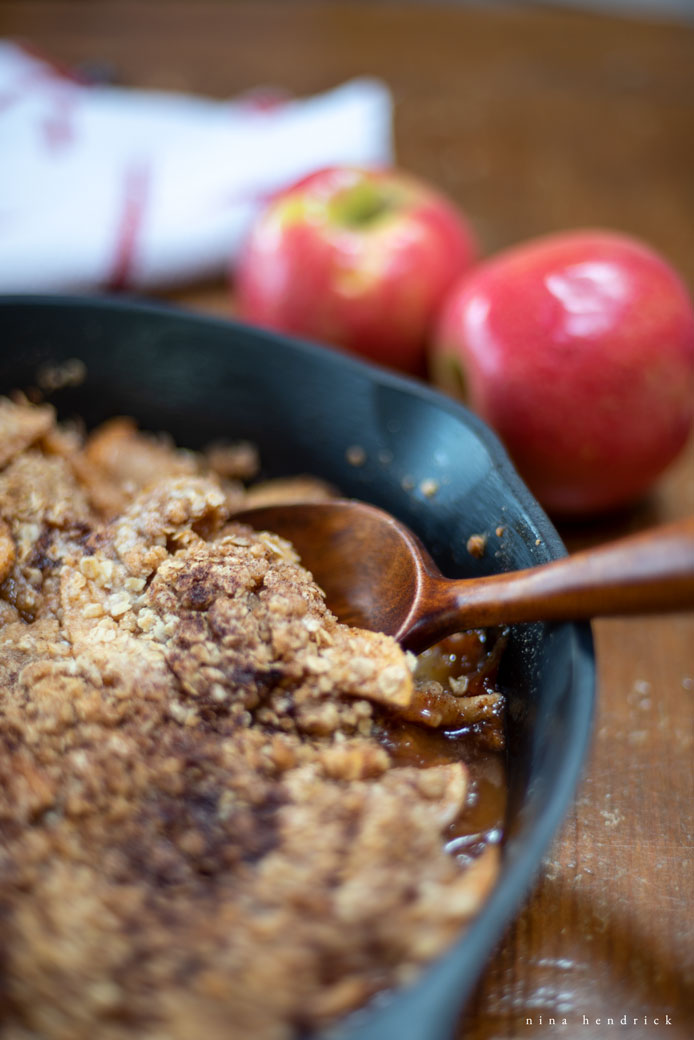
(222, 813)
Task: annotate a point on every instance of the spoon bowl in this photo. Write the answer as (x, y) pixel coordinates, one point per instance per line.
(370, 566)
(376, 574)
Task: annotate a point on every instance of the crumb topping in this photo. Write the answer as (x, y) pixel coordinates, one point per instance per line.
(201, 831)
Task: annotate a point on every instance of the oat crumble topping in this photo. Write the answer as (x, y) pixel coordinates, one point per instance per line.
(201, 827)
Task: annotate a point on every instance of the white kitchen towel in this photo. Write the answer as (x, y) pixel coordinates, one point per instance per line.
(111, 187)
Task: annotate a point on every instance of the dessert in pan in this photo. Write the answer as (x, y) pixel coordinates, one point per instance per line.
(221, 810)
(170, 802)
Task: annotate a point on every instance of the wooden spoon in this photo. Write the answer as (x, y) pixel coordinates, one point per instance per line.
(377, 574)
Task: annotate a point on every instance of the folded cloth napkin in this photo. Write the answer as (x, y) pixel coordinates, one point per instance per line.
(107, 187)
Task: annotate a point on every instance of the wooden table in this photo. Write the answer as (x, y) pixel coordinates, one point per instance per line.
(534, 120)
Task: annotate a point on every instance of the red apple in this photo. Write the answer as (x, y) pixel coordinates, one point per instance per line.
(357, 258)
(578, 348)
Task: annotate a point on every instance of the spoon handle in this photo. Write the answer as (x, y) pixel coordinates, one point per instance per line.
(645, 573)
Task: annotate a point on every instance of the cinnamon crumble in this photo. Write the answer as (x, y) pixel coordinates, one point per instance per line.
(222, 813)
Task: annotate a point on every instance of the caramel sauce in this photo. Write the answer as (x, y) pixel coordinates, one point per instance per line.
(466, 660)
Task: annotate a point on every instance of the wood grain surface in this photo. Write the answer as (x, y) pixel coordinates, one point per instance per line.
(533, 119)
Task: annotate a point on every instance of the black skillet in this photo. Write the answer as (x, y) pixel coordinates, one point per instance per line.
(314, 410)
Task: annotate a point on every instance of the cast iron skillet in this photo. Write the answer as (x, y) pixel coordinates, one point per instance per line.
(201, 379)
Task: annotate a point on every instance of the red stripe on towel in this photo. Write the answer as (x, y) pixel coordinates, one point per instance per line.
(135, 194)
